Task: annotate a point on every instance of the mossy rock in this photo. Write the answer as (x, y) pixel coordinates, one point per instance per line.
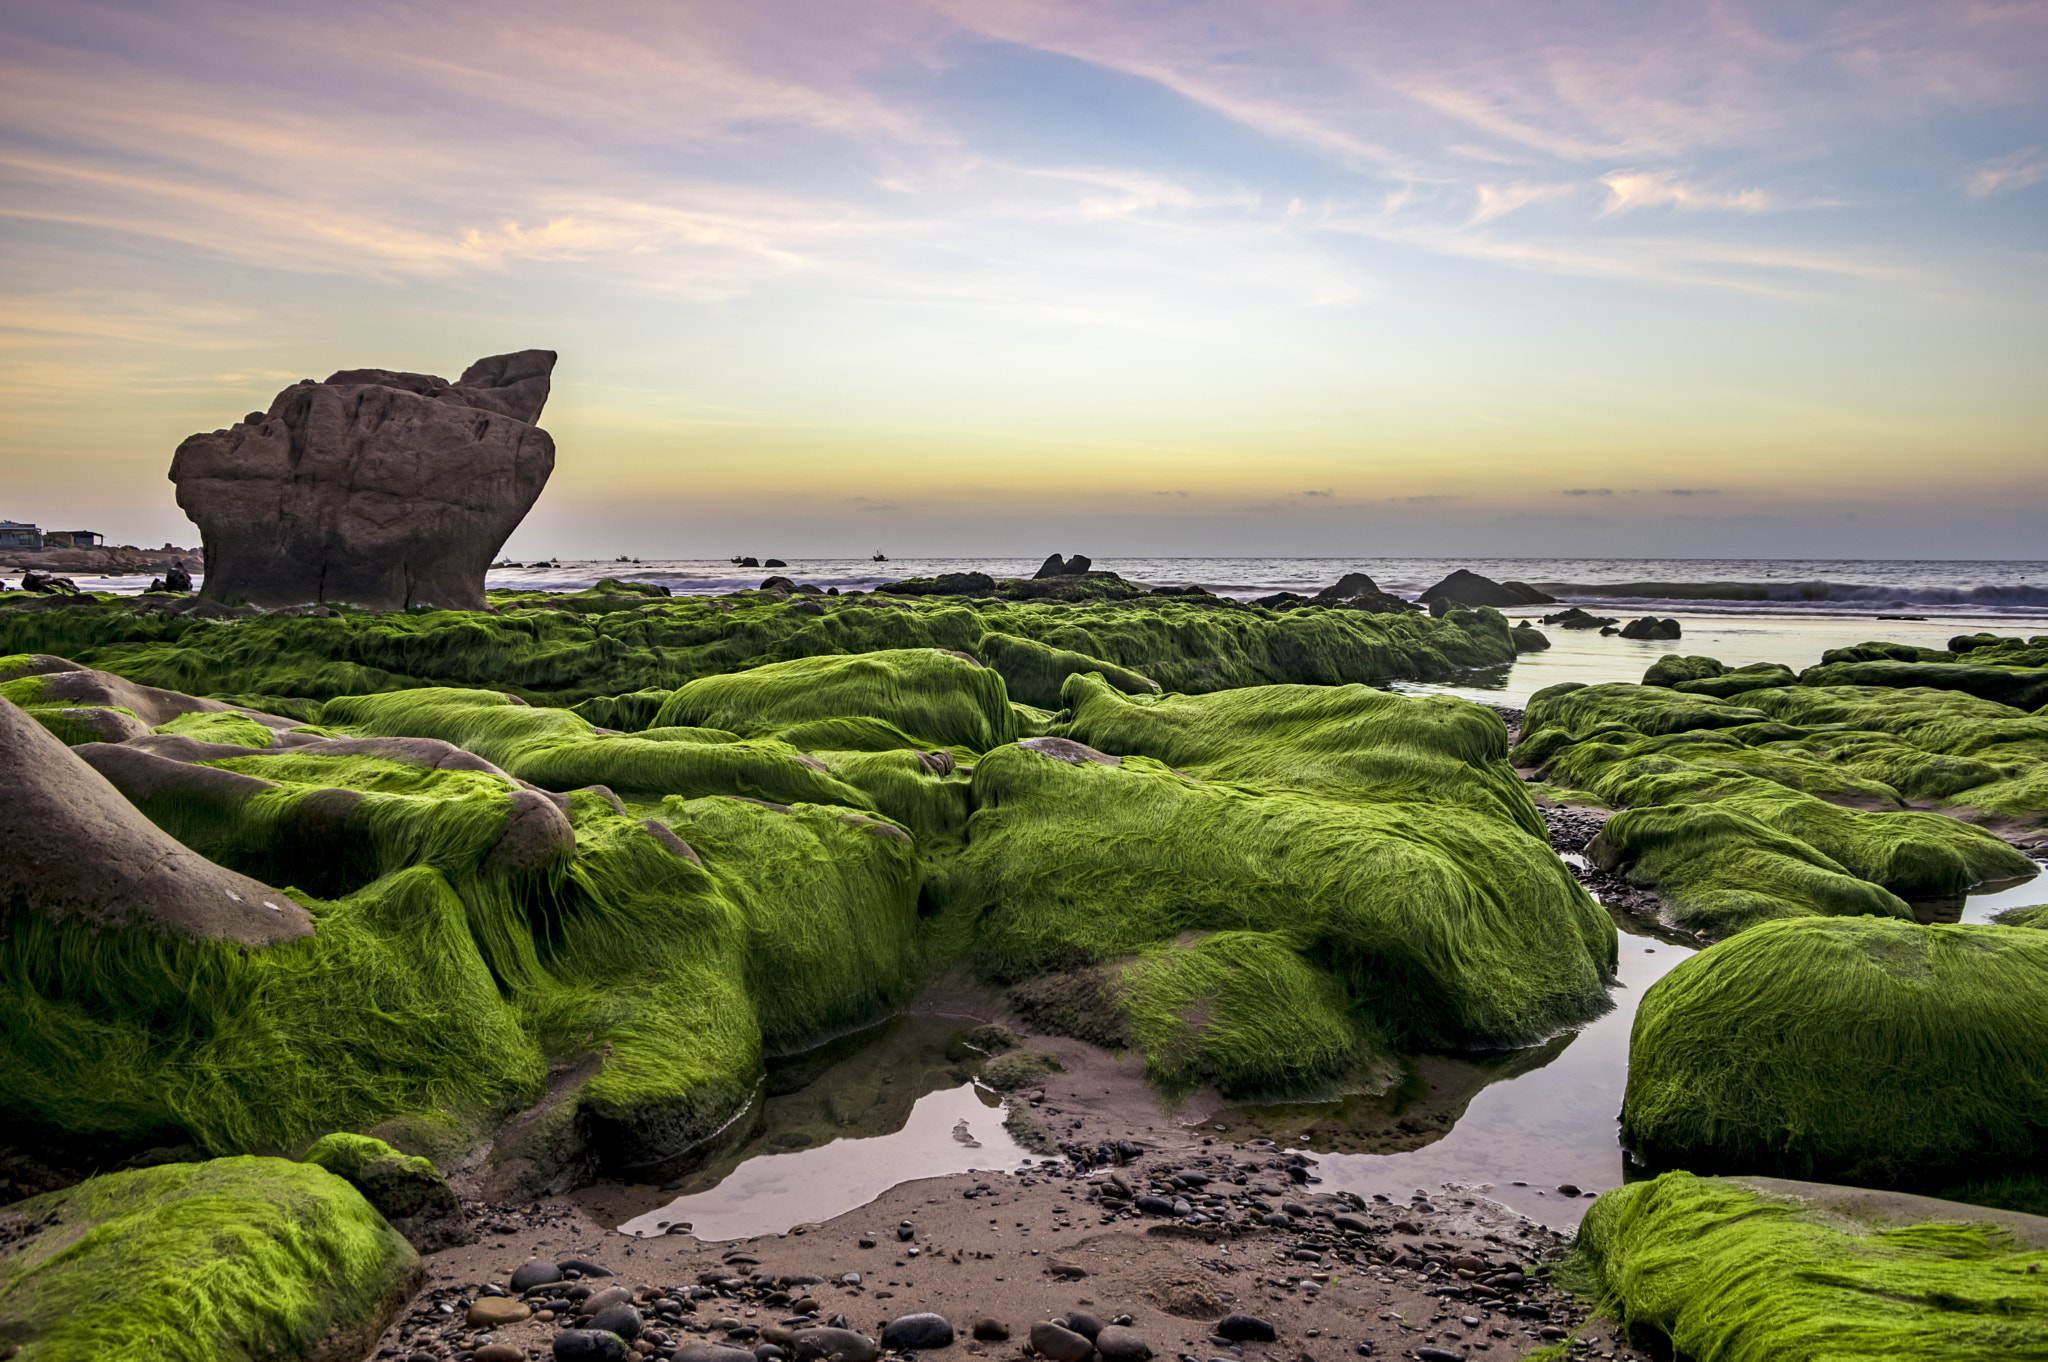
(1855, 1049)
(234, 1260)
(1749, 1269)
(407, 1190)
(1019, 1069)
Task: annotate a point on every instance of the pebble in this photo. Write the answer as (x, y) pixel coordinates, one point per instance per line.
(1437, 1355)
(590, 1269)
(499, 1352)
(1084, 1324)
(991, 1330)
(589, 1345)
(1061, 1345)
(528, 1275)
(851, 1279)
(1119, 1344)
(491, 1311)
(1155, 1205)
(825, 1342)
(620, 1319)
(1246, 1329)
(611, 1295)
(917, 1333)
(711, 1352)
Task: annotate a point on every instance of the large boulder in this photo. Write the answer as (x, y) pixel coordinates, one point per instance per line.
(375, 488)
(77, 850)
(1469, 588)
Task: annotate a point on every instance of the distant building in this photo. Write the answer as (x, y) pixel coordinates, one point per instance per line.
(72, 539)
(16, 535)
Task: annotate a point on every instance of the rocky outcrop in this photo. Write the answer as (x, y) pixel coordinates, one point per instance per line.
(1469, 588)
(1056, 566)
(375, 488)
(1651, 628)
(77, 849)
(1360, 592)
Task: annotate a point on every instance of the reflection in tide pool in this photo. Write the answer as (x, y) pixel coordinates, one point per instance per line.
(769, 1193)
(843, 1123)
(1547, 1125)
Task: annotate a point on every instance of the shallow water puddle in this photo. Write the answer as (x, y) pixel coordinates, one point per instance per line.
(843, 1124)
(1983, 907)
(1543, 1117)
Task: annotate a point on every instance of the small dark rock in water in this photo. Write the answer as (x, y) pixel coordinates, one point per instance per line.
(584, 1266)
(916, 1333)
(1246, 1329)
(1084, 1324)
(1652, 628)
(528, 1275)
(991, 1330)
(621, 1319)
(1567, 1189)
(590, 1345)
(1061, 1345)
(1119, 1344)
(773, 562)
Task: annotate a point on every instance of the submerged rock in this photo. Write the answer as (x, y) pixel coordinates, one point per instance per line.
(381, 489)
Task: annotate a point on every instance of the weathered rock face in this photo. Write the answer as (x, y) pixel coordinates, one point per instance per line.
(77, 849)
(375, 488)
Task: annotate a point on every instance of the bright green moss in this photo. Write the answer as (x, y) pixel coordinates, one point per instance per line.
(577, 650)
(1851, 1049)
(2023, 688)
(1791, 760)
(1728, 1272)
(1034, 672)
(1243, 1011)
(237, 1260)
(1350, 743)
(238, 730)
(1457, 929)
(943, 699)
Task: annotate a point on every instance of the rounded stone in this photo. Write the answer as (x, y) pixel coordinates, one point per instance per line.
(499, 1352)
(528, 1275)
(1119, 1344)
(589, 1345)
(990, 1330)
(1247, 1329)
(852, 1346)
(491, 1311)
(1059, 1344)
(916, 1333)
(1084, 1324)
(621, 1319)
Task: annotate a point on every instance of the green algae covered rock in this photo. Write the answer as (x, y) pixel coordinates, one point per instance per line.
(1755, 1269)
(1868, 1051)
(407, 1190)
(2024, 688)
(1034, 671)
(561, 651)
(938, 698)
(1831, 768)
(1350, 743)
(236, 1260)
(1459, 929)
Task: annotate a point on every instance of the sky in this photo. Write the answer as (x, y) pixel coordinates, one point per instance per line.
(960, 277)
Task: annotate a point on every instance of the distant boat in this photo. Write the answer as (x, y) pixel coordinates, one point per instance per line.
(879, 558)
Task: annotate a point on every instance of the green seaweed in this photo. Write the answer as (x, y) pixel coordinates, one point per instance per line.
(1455, 929)
(1729, 1273)
(235, 1260)
(1034, 671)
(1852, 1049)
(942, 698)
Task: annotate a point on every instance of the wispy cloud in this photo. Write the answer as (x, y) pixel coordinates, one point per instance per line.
(1628, 189)
(2020, 170)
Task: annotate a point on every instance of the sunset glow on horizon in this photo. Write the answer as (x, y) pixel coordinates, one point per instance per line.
(1008, 276)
